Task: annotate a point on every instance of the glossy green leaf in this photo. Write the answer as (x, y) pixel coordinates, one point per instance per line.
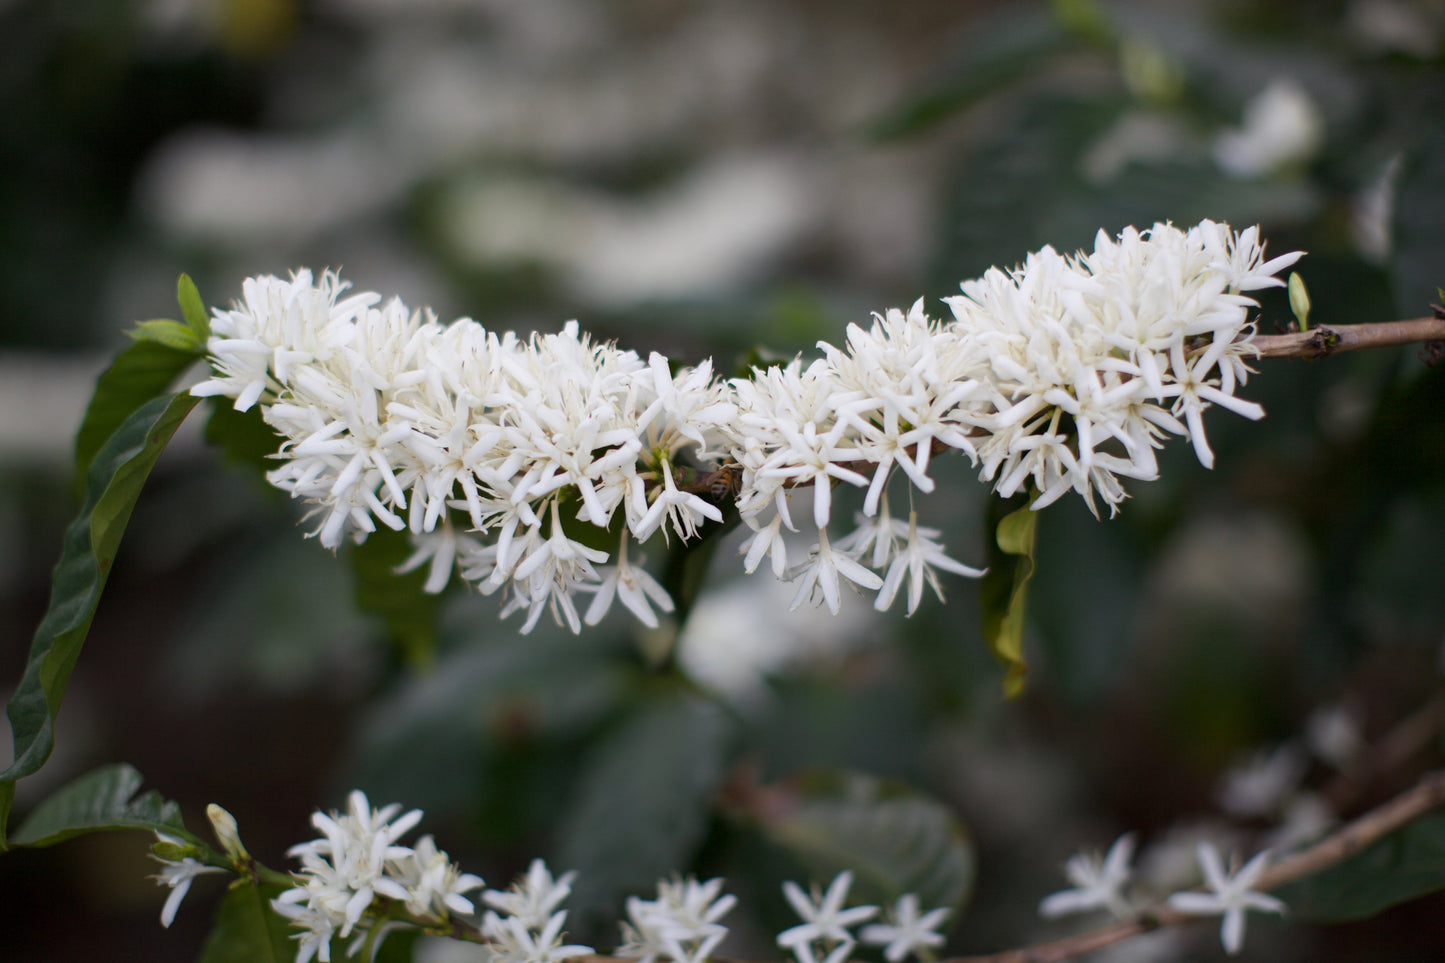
(193, 309)
(247, 930)
(895, 839)
(116, 476)
(170, 333)
(142, 371)
(1405, 865)
(1003, 593)
(643, 803)
(104, 799)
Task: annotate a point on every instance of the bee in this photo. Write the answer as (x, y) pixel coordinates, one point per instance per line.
(726, 482)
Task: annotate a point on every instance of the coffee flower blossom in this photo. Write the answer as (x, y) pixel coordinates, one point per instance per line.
(498, 454)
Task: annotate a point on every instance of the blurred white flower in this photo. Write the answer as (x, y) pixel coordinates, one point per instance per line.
(825, 921)
(534, 898)
(907, 931)
(681, 925)
(1098, 882)
(1231, 895)
(1260, 785)
(1282, 125)
(1333, 735)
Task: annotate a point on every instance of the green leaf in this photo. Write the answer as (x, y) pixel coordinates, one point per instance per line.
(103, 799)
(247, 930)
(243, 436)
(113, 484)
(1003, 594)
(193, 309)
(409, 614)
(172, 334)
(643, 803)
(1019, 44)
(895, 839)
(1405, 865)
(142, 371)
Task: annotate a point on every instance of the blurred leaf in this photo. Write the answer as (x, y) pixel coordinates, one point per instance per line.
(1405, 865)
(1419, 222)
(1019, 45)
(172, 334)
(443, 739)
(103, 799)
(895, 839)
(142, 371)
(247, 930)
(193, 309)
(91, 541)
(1003, 593)
(409, 614)
(243, 436)
(643, 802)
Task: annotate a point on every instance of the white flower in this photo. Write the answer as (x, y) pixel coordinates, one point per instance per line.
(825, 564)
(178, 874)
(433, 883)
(680, 925)
(1232, 896)
(909, 930)
(1260, 785)
(343, 872)
(515, 942)
(917, 560)
(633, 586)
(1098, 883)
(1282, 125)
(825, 921)
(534, 897)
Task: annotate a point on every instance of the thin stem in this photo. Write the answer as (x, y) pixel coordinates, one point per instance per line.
(1333, 339)
(1427, 794)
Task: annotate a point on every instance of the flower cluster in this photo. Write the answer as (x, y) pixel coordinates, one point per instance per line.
(511, 461)
(356, 862)
(1099, 884)
(357, 880)
(827, 925)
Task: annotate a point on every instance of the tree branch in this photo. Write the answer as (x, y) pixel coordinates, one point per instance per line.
(1333, 339)
(1427, 794)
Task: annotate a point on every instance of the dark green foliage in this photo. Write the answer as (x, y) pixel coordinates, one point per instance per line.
(247, 930)
(113, 484)
(642, 803)
(104, 799)
(1405, 865)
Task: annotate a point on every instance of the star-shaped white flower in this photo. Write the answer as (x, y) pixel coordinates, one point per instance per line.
(909, 930)
(1232, 896)
(1098, 882)
(178, 875)
(824, 920)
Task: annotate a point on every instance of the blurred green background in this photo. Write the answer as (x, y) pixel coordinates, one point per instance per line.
(701, 178)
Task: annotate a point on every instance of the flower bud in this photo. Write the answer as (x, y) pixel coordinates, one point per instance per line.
(1299, 300)
(229, 835)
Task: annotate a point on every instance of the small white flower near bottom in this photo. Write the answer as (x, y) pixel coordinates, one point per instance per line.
(824, 921)
(909, 932)
(1232, 896)
(1098, 882)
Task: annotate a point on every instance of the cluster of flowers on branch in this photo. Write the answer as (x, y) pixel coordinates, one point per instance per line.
(519, 463)
(357, 881)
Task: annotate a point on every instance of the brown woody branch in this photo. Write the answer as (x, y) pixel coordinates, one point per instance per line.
(1333, 339)
(1427, 794)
